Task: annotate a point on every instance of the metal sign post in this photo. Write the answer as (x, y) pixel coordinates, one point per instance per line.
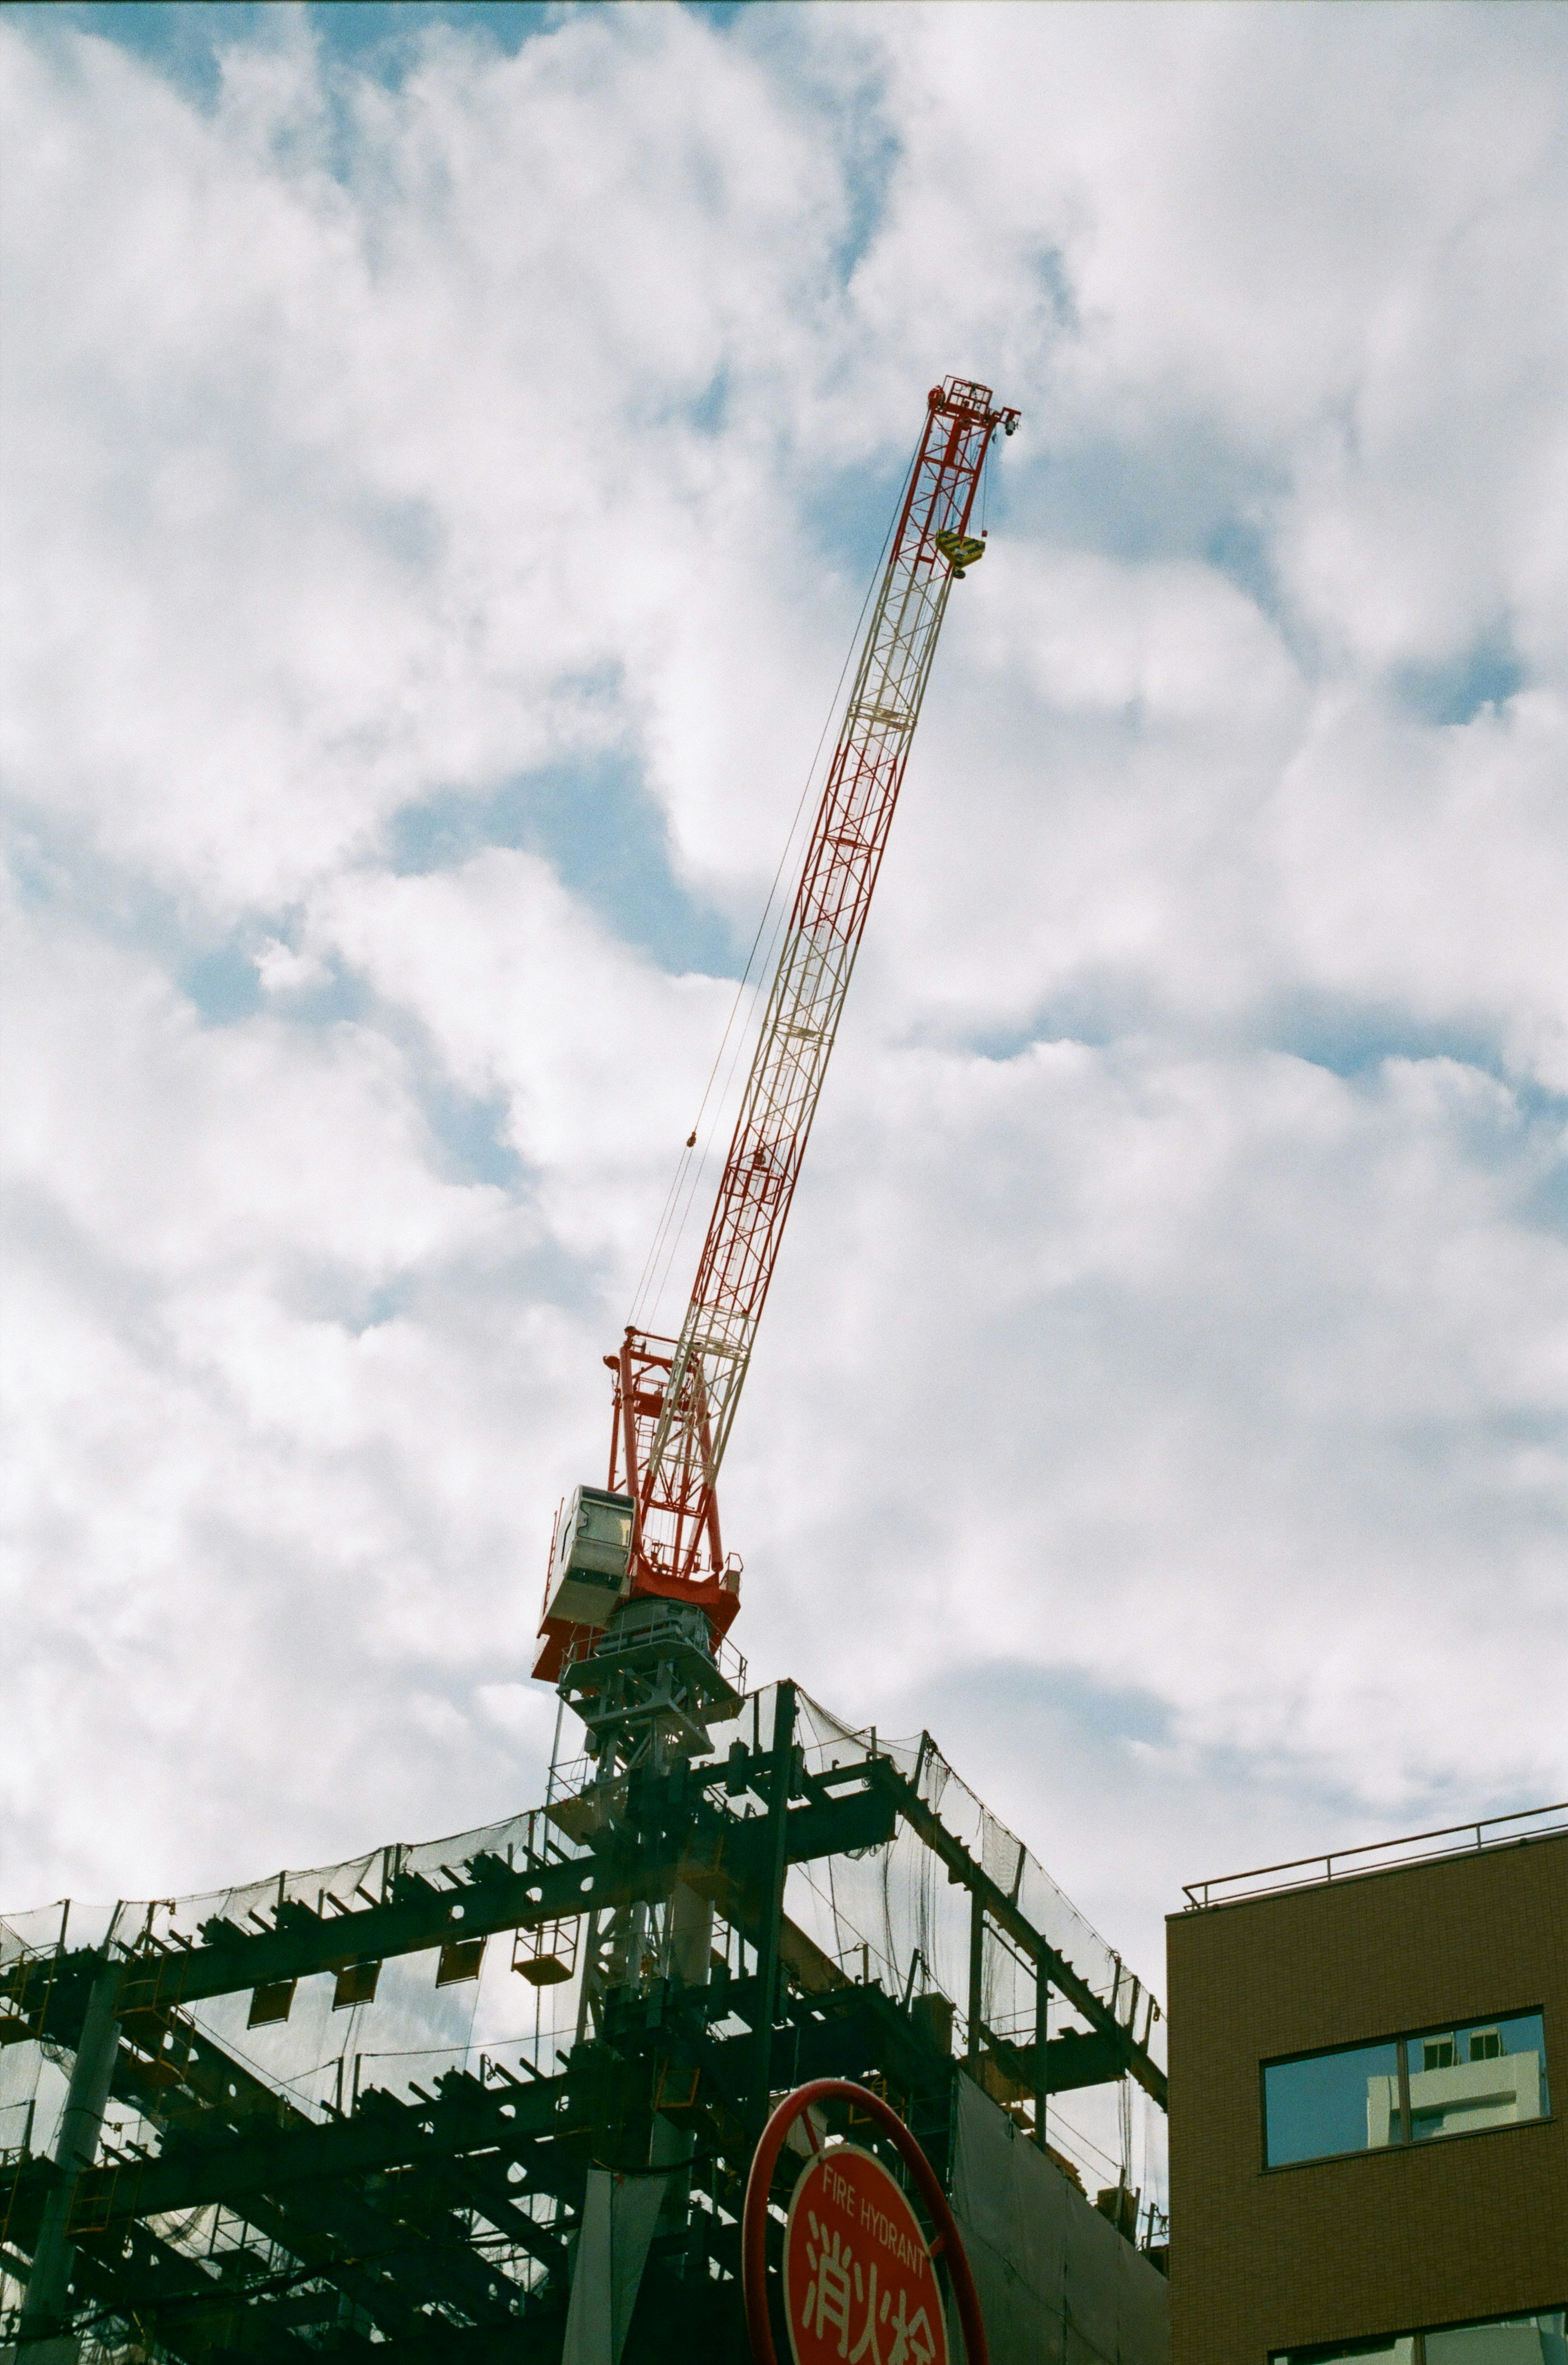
(860, 2275)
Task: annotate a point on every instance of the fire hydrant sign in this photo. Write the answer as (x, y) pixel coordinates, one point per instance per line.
(860, 2285)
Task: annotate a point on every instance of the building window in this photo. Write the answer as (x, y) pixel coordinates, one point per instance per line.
(1446, 2082)
(1539, 2339)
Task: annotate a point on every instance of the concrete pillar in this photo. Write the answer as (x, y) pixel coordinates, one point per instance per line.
(619, 2215)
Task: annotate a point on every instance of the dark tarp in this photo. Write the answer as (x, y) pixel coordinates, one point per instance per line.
(1058, 2284)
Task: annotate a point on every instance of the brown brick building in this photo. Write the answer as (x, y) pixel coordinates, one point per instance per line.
(1369, 2106)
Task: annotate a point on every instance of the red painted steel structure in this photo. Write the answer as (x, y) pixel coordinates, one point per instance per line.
(676, 1398)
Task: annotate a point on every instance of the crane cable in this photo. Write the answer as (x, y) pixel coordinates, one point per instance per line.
(690, 1167)
(676, 1213)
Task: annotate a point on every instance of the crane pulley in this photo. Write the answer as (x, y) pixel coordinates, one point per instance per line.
(654, 1530)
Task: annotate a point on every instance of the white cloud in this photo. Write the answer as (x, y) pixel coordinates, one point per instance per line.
(284, 970)
(1164, 1390)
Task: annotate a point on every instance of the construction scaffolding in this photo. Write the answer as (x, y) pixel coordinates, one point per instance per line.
(498, 2094)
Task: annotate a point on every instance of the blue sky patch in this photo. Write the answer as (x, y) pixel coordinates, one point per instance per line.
(849, 513)
(1017, 1690)
(710, 412)
(1097, 1008)
(469, 1129)
(605, 837)
(1179, 495)
(381, 37)
(1546, 1204)
(223, 983)
(1354, 1038)
(1487, 674)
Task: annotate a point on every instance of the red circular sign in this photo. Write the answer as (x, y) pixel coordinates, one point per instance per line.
(859, 2287)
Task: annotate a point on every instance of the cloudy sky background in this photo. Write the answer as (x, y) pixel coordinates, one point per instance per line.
(446, 451)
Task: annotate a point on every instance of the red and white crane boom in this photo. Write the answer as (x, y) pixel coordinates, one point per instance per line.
(676, 1399)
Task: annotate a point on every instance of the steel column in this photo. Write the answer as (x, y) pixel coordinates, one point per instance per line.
(43, 2335)
(773, 1900)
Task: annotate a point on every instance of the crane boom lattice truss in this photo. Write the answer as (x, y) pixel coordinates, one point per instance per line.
(676, 1400)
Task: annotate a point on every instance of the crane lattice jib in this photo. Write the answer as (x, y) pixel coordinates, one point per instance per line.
(848, 839)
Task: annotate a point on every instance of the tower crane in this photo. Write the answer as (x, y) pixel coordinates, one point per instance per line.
(646, 1551)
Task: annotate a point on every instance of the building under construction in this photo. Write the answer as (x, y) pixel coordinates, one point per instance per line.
(407, 2107)
(499, 2095)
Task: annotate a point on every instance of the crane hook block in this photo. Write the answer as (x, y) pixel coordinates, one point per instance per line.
(959, 550)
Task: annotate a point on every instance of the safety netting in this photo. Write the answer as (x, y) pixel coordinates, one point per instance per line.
(511, 2004)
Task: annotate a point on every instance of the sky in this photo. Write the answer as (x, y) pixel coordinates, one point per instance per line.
(447, 450)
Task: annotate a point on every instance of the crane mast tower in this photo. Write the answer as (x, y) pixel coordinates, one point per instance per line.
(651, 1534)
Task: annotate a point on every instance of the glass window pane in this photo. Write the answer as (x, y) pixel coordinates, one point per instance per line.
(1334, 2102)
(1518, 2340)
(1358, 2352)
(1488, 2074)
(1513, 2340)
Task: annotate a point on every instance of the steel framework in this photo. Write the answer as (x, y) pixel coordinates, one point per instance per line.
(199, 2203)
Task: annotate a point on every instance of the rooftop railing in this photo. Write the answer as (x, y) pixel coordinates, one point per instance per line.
(1379, 1856)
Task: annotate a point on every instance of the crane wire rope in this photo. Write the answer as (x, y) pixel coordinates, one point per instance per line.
(676, 1213)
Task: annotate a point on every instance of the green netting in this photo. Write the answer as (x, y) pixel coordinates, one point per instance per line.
(889, 1914)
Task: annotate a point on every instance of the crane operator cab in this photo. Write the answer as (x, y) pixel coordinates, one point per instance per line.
(592, 1554)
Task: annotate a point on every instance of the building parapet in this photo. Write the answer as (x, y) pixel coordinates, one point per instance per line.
(1379, 1856)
